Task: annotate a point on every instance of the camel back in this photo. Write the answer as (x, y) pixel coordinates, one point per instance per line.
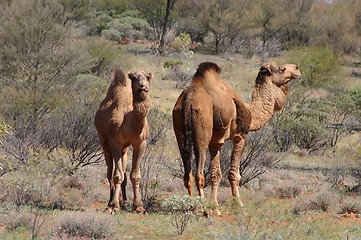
(204, 67)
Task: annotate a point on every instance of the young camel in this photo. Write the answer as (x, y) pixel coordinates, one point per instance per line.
(120, 122)
(209, 112)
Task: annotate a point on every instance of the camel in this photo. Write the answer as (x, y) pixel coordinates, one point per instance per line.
(209, 111)
(121, 121)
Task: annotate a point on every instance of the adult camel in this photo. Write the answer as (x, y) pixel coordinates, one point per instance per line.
(121, 121)
(209, 111)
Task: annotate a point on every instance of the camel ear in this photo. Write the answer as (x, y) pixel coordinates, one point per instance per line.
(130, 76)
(265, 69)
(282, 68)
(269, 68)
(149, 76)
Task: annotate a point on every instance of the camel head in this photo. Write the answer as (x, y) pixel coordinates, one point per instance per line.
(279, 75)
(140, 84)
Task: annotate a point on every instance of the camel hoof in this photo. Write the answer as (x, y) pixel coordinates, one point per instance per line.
(112, 210)
(209, 213)
(218, 213)
(139, 210)
(237, 202)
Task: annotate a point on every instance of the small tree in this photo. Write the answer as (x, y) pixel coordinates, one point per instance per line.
(37, 69)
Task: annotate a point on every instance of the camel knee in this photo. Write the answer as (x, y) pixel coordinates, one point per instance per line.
(234, 177)
(118, 179)
(135, 178)
(216, 175)
(200, 181)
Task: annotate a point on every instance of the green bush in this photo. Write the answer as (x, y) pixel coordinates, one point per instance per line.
(111, 34)
(106, 56)
(320, 67)
(172, 63)
(183, 209)
(129, 27)
(181, 43)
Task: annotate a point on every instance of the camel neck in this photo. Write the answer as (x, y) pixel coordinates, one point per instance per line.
(141, 109)
(262, 105)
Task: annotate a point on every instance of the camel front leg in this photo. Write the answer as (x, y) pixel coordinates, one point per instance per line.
(118, 176)
(239, 143)
(135, 176)
(104, 142)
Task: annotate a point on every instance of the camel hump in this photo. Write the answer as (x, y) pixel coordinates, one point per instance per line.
(205, 67)
(119, 77)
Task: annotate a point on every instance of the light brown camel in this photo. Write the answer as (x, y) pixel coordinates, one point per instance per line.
(120, 122)
(209, 111)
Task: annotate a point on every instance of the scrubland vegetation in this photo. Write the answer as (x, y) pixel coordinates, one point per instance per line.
(301, 175)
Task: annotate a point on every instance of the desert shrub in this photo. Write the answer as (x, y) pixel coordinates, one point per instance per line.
(73, 182)
(308, 133)
(351, 205)
(181, 43)
(182, 210)
(128, 26)
(314, 124)
(20, 192)
(15, 220)
(322, 201)
(287, 191)
(172, 63)
(105, 55)
(155, 155)
(70, 128)
(257, 158)
(356, 98)
(320, 67)
(30, 93)
(178, 72)
(259, 155)
(139, 49)
(111, 34)
(336, 178)
(85, 225)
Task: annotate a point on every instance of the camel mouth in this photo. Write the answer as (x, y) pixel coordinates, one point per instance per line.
(143, 90)
(296, 76)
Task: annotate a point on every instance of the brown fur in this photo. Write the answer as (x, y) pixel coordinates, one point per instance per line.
(120, 122)
(209, 112)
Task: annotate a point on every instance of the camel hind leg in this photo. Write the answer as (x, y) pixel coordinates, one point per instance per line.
(216, 173)
(185, 150)
(200, 155)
